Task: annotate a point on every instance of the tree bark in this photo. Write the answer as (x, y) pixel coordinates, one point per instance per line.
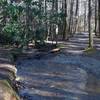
(95, 17)
(99, 15)
(65, 20)
(85, 16)
(89, 25)
(76, 15)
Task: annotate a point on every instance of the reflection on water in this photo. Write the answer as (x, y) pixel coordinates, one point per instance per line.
(52, 81)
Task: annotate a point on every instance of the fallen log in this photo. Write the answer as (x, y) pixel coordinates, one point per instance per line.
(55, 50)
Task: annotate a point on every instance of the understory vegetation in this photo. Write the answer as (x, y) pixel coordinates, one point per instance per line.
(36, 21)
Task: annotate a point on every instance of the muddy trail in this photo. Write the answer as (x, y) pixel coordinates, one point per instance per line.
(67, 75)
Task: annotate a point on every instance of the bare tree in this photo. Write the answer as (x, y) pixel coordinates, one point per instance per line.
(99, 15)
(85, 15)
(95, 17)
(65, 20)
(89, 25)
(76, 15)
(71, 18)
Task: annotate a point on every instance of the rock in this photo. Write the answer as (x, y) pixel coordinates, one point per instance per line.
(7, 82)
(8, 70)
(7, 92)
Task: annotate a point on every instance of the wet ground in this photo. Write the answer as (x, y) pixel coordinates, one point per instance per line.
(67, 75)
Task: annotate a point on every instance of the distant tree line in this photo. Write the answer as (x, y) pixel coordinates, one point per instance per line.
(22, 21)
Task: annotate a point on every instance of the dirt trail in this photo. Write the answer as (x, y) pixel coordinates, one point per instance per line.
(79, 42)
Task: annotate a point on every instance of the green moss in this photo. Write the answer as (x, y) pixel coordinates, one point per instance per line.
(89, 50)
(60, 45)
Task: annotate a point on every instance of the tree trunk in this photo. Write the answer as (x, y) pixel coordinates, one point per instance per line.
(99, 15)
(65, 20)
(71, 18)
(85, 16)
(89, 25)
(76, 15)
(95, 17)
(56, 35)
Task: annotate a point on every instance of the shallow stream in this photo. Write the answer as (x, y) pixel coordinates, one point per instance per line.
(47, 79)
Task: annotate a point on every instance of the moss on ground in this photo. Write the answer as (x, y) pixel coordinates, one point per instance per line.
(89, 50)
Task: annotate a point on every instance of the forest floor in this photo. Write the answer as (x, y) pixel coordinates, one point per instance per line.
(70, 74)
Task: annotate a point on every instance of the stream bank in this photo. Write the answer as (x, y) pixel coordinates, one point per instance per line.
(8, 71)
